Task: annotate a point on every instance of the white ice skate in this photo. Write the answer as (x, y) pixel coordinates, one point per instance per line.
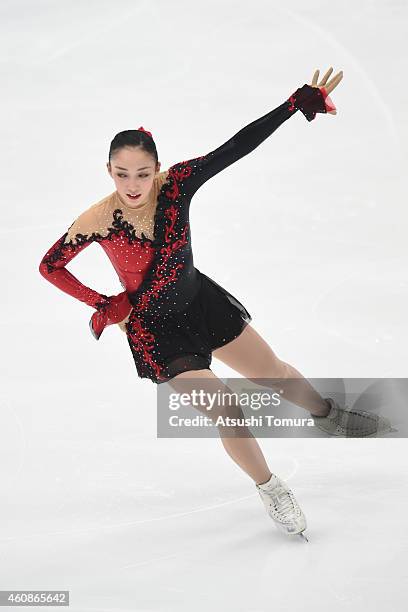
(282, 507)
(351, 423)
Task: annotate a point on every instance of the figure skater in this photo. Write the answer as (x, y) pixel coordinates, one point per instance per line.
(174, 316)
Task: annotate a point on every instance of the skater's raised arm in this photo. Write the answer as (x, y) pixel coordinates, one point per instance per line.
(78, 237)
(309, 99)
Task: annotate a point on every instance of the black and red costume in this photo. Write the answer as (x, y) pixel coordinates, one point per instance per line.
(178, 315)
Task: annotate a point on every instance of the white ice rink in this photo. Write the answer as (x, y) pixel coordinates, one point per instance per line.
(309, 231)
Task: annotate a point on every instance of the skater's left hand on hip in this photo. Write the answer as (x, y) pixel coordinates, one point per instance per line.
(116, 311)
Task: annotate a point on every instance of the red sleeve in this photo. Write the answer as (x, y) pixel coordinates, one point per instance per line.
(52, 268)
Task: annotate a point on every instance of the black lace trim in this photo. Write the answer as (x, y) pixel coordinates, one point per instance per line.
(58, 253)
(121, 225)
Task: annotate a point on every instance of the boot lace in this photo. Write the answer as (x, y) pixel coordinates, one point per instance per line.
(283, 501)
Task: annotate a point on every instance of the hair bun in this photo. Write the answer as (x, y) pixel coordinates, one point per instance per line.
(141, 129)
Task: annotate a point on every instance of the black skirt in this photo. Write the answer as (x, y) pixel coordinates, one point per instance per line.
(185, 341)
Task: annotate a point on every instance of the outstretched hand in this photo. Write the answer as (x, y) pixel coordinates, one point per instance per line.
(328, 85)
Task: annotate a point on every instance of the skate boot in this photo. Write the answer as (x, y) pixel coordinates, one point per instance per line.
(351, 423)
(282, 507)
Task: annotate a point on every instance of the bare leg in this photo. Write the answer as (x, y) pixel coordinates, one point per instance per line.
(252, 357)
(245, 451)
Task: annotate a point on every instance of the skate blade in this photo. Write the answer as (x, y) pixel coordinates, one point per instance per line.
(302, 535)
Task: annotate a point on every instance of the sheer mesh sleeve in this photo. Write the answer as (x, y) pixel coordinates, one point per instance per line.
(78, 237)
(308, 99)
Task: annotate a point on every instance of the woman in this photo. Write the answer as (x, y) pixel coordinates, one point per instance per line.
(175, 317)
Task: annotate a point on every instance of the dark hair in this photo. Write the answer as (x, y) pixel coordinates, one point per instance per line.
(133, 138)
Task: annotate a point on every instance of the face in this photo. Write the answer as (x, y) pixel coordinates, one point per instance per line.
(133, 171)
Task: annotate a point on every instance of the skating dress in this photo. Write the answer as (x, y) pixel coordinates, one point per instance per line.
(177, 314)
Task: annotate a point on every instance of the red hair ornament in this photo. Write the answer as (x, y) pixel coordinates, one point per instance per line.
(141, 129)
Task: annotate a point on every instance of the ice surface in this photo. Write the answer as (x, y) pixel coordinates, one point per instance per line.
(310, 233)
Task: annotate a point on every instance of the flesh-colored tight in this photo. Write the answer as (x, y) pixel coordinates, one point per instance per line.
(251, 356)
